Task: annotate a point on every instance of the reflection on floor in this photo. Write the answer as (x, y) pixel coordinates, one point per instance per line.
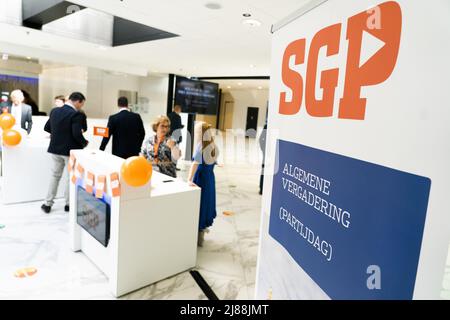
(227, 261)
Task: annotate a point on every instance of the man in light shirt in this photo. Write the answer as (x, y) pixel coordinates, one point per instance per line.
(20, 111)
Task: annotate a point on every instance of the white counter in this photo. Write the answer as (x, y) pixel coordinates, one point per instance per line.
(153, 229)
(26, 170)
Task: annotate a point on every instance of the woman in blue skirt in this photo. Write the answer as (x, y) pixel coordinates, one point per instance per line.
(202, 175)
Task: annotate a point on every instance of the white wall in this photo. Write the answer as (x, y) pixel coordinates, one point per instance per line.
(249, 98)
(102, 90)
(20, 68)
(155, 89)
(110, 87)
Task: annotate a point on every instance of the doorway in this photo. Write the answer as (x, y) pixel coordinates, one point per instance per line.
(227, 116)
(252, 122)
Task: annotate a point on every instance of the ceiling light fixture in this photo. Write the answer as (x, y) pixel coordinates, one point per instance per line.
(229, 87)
(252, 22)
(259, 87)
(252, 66)
(5, 56)
(213, 6)
(239, 83)
(247, 15)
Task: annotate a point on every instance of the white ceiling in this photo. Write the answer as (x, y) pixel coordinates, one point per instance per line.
(242, 84)
(211, 42)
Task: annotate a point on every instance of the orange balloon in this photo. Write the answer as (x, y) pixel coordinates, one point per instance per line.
(11, 137)
(136, 171)
(7, 121)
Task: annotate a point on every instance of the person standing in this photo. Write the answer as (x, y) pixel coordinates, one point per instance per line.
(175, 124)
(127, 130)
(202, 174)
(65, 126)
(20, 111)
(160, 149)
(60, 101)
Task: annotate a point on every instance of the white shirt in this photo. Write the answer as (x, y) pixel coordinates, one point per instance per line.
(123, 109)
(71, 105)
(16, 112)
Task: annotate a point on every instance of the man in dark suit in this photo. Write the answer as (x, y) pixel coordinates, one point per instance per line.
(175, 124)
(65, 126)
(21, 112)
(127, 130)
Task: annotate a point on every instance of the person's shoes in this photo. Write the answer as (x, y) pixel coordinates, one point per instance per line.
(66, 208)
(46, 208)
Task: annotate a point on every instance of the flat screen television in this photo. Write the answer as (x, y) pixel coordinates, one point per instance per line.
(93, 215)
(196, 96)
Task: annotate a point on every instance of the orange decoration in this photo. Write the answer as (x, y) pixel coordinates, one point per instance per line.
(100, 187)
(25, 272)
(90, 182)
(7, 121)
(11, 137)
(101, 132)
(136, 171)
(115, 184)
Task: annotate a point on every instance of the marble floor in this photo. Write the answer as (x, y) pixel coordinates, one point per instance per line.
(227, 261)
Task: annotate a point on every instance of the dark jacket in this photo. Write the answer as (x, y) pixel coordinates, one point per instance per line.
(175, 124)
(65, 126)
(127, 130)
(27, 117)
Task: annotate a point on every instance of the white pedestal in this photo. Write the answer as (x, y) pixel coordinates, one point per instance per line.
(26, 170)
(153, 231)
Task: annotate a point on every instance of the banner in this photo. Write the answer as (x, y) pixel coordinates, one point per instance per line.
(357, 180)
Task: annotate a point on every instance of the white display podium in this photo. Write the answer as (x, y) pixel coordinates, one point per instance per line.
(153, 229)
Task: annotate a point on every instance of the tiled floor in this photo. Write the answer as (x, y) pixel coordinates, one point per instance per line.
(227, 260)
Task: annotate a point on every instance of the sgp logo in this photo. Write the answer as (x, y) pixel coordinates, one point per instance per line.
(383, 22)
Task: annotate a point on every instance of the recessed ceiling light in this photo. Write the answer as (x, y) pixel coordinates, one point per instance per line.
(252, 66)
(29, 58)
(259, 87)
(251, 22)
(239, 83)
(213, 6)
(5, 56)
(247, 15)
(229, 87)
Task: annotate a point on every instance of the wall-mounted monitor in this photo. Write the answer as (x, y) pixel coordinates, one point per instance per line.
(93, 215)
(196, 96)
